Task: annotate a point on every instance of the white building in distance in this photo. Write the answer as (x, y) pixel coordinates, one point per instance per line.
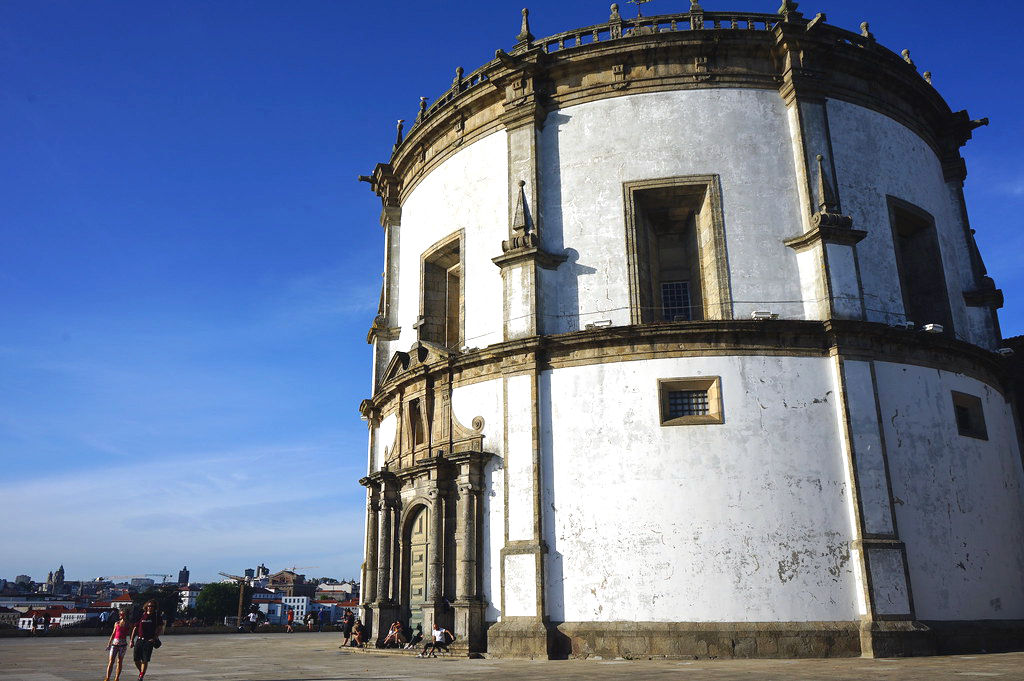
(685, 348)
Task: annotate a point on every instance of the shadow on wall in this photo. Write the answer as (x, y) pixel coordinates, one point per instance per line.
(560, 292)
(554, 590)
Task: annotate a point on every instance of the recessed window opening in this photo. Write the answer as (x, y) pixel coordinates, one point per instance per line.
(669, 257)
(675, 241)
(442, 296)
(970, 415)
(690, 401)
(919, 263)
(416, 429)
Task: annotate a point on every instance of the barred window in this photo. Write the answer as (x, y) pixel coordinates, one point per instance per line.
(675, 301)
(690, 401)
(687, 403)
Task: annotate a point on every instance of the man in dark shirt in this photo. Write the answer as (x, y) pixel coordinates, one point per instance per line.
(146, 636)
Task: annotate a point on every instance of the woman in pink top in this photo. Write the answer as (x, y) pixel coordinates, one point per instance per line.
(117, 644)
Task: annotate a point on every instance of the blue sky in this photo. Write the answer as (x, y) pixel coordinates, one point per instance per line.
(188, 266)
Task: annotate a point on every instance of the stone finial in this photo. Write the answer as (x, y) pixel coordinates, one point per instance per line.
(695, 7)
(519, 218)
(398, 139)
(525, 36)
(826, 197)
(865, 30)
(615, 13)
(789, 12)
(928, 77)
(906, 58)
(458, 76)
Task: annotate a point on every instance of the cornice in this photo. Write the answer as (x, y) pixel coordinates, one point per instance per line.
(855, 340)
(801, 60)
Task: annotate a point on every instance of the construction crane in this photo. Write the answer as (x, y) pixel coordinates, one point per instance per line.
(293, 568)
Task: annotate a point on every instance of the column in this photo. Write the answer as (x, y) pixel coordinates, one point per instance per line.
(384, 559)
(372, 530)
(467, 543)
(436, 548)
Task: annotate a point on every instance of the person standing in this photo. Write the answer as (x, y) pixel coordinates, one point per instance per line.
(321, 619)
(146, 636)
(254, 619)
(117, 644)
(291, 621)
(347, 620)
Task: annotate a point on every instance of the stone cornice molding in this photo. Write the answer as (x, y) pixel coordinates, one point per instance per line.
(780, 337)
(797, 58)
(985, 297)
(828, 229)
(520, 254)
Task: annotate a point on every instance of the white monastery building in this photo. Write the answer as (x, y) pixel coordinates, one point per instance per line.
(685, 348)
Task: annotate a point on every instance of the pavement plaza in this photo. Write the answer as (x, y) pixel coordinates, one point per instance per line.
(316, 657)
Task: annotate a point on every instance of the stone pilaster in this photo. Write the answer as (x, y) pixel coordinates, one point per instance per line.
(888, 624)
(469, 607)
(827, 257)
(522, 630)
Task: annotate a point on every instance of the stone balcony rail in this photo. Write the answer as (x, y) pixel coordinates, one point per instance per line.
(618, 28)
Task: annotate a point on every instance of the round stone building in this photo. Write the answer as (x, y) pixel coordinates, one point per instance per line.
(685, 347)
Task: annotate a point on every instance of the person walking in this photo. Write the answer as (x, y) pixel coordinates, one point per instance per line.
(146, 636)
(117, 644)
(321, 619)
(290, 627)
(254, 619)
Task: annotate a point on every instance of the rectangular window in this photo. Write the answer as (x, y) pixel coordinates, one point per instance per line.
(687, 403)
(970, 415)
(919, 264)
(690, 401)
(675, 240)
(441, 303)
(675, 301)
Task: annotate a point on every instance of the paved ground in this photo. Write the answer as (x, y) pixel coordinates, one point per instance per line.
(315, 657)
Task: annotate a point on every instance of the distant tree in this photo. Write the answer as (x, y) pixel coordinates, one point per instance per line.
(219, 600)
(166, 595)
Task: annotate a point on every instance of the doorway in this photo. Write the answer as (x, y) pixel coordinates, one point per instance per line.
(415, 590)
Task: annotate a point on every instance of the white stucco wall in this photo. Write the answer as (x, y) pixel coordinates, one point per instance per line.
(467, 191)
(958, 500)
(743, 521)
(486, 399)
(588, 151)
(383, 439)
(874, 157)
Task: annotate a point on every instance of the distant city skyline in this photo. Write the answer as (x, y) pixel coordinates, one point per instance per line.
(190, 267)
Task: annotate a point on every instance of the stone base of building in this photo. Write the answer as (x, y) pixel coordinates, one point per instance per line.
(522, 637)
(977, 636)
(529, 638)
(899, 638)
(674, 640)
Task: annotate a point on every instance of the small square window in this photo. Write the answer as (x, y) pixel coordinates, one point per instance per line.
(690, 401)
(970, 415)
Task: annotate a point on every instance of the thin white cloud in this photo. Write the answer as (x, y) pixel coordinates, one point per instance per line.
(143, 515)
